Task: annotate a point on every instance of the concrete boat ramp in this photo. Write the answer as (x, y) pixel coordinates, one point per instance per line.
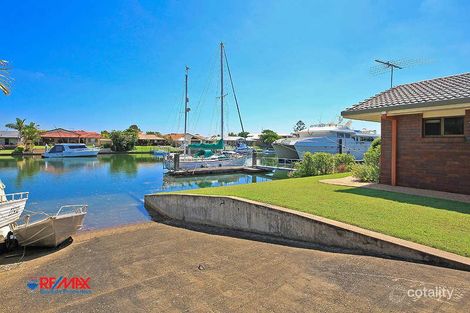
(155, 267)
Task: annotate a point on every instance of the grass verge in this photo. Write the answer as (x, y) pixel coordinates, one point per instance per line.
(441, 224)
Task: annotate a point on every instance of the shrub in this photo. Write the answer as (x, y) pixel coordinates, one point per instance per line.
(123, 140)
(370, 170)
(343, 162)
(376, 143)
(314, 164)
(18, 150)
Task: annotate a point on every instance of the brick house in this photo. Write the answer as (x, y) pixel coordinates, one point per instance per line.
(60, 135)
(425, 133)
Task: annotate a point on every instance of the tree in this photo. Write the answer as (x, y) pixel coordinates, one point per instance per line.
(268, 136)
(4, 77)
(232, 134)
(154, 133)
(134, 128)
(243, 134)
(30, 135)
(299, 126)
(105, 134)
(19, 125)
(123, 140)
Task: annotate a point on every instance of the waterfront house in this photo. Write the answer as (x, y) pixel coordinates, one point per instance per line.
(425, 133)
(61, 135)
(150, 140)
(177, 140)
(9, 139)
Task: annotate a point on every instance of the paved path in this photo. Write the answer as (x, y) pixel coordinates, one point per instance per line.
(154, 267)
(352, 182)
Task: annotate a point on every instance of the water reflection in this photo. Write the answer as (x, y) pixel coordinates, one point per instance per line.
(28, 167)
(112, 185)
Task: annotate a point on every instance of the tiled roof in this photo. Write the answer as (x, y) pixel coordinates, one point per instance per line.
(143, 136)
(450, 89)
(63, 133)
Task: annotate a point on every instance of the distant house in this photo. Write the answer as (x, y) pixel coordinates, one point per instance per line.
(150, 140)
(425, 133)
(9, 138)
(61, 135)
(177, 139)
(232, 141)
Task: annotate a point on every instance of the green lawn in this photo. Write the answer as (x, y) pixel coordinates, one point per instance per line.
(6, 151)
(437, 223)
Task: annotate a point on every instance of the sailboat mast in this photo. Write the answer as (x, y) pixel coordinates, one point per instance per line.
(186, 109)
(222, 91)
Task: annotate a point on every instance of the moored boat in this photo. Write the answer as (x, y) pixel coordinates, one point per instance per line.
(329, 138)
(68, 150)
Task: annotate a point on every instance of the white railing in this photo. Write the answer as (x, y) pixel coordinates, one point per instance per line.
(14, 196)
(73, 208)
(274, 161)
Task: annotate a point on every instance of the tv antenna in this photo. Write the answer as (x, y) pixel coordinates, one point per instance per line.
(390, 66)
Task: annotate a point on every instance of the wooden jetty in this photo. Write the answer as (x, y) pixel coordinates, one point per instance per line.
(218, 170)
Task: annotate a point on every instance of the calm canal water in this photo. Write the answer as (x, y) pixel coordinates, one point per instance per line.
(112, 185)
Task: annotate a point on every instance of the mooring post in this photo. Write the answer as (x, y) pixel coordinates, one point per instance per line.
(176, 163)
(253, 159)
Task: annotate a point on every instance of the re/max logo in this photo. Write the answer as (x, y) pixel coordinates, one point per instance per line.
(60, 285)
(64, 282)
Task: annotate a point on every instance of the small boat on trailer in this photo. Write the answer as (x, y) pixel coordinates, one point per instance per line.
(51, 230)
(11, 208)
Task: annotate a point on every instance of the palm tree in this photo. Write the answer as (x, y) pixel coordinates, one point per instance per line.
(31, 134)
(5, 79)
(19, 125)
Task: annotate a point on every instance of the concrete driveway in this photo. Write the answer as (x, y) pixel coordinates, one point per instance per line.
(154, 267)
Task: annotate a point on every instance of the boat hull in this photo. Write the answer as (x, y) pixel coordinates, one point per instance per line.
(75, 154)
(49, 232)
(285, 151)
(193, 164)
(10, 211)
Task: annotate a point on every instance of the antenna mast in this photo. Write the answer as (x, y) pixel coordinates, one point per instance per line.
(391, 66)
(186, 108)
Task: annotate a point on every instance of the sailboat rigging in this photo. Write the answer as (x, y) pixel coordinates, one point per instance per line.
(205, 156)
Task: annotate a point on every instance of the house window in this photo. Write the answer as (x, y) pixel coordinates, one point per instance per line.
(443, 126)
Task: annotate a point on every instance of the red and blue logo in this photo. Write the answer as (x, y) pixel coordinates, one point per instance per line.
(60, 285)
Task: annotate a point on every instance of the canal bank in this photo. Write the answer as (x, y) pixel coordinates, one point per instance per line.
(233, 213)
(113, 186)
(167, 268)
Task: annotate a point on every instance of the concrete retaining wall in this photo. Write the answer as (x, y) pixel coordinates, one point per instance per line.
(245, 215)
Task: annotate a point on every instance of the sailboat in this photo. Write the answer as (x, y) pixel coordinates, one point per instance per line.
(205, 156)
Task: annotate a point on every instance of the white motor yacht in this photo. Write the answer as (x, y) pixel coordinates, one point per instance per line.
(67, 150)
(330, 138)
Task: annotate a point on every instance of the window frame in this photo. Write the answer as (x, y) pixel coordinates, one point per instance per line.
(442, 118)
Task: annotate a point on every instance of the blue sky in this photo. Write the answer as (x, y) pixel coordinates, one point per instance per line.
(98, 65)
